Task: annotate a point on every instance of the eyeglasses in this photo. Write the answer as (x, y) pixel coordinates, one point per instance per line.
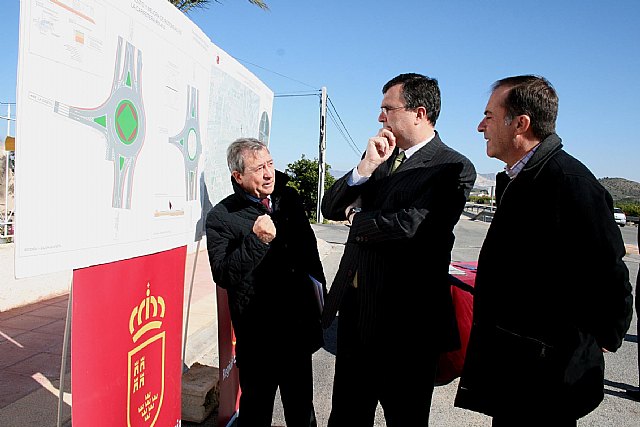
(385, 110)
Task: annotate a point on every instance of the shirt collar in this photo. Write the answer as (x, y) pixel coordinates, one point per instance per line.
(514, 170)
(254, 198)
(410, 151)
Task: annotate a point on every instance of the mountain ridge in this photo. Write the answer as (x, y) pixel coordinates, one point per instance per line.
(621, 189)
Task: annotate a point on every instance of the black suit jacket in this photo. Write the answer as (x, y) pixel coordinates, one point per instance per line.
(400, 246)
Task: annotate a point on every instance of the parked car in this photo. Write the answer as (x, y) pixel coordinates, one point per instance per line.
(620, 217)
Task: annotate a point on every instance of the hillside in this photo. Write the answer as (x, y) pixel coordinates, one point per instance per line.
(622, 190)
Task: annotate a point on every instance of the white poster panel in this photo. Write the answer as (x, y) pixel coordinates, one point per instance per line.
(113, 100)
(241, 106)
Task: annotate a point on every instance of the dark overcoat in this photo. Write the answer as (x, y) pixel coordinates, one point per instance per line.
(551, 292)
(271, 297)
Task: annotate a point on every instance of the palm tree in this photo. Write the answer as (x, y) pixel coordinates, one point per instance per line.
(186, 5)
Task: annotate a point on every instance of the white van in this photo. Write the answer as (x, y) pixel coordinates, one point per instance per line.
(620, 217)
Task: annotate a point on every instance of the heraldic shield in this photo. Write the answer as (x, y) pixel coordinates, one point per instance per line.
(146, 362)
(146, 382)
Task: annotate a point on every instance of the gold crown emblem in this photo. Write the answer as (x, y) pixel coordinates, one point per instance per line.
(147, 315)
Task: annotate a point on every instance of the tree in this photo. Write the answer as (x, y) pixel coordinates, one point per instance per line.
(186, 5)
(303, 176)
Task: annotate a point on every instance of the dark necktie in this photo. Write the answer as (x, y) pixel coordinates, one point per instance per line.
(266, 203)
(396, 162)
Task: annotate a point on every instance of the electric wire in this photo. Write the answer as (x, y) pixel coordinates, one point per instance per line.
(274, 72)
(341, 127)
(332, 112)
(291, 95)
(343, 131)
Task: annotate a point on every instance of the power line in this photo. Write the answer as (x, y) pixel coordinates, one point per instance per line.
(332, 112)
(333, 115)
(274, 72)
(290, 95)
(344, 133)
(343, 129)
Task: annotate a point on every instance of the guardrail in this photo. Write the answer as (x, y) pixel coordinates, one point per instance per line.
(479, 212)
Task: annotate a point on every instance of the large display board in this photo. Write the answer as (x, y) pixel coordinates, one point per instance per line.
(125, 111)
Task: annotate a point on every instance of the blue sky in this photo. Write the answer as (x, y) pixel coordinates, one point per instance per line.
(590, 51)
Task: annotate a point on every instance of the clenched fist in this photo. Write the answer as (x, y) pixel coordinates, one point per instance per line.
(264, 228)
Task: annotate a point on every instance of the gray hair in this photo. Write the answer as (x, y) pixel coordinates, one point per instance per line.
(237, 149)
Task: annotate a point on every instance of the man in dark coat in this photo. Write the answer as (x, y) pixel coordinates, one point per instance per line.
(263, 251)
(392, 287)
(552, 291)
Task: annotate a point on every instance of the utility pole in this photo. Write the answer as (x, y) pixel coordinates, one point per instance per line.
(322, 149)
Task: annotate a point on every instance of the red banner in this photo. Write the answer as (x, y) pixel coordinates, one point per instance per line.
(229, 400)
(126, 366)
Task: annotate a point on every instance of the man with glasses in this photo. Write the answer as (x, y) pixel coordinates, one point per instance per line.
(396, 316)
(263, 251)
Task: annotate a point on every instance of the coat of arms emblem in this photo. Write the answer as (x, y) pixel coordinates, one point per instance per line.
(146, 361)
